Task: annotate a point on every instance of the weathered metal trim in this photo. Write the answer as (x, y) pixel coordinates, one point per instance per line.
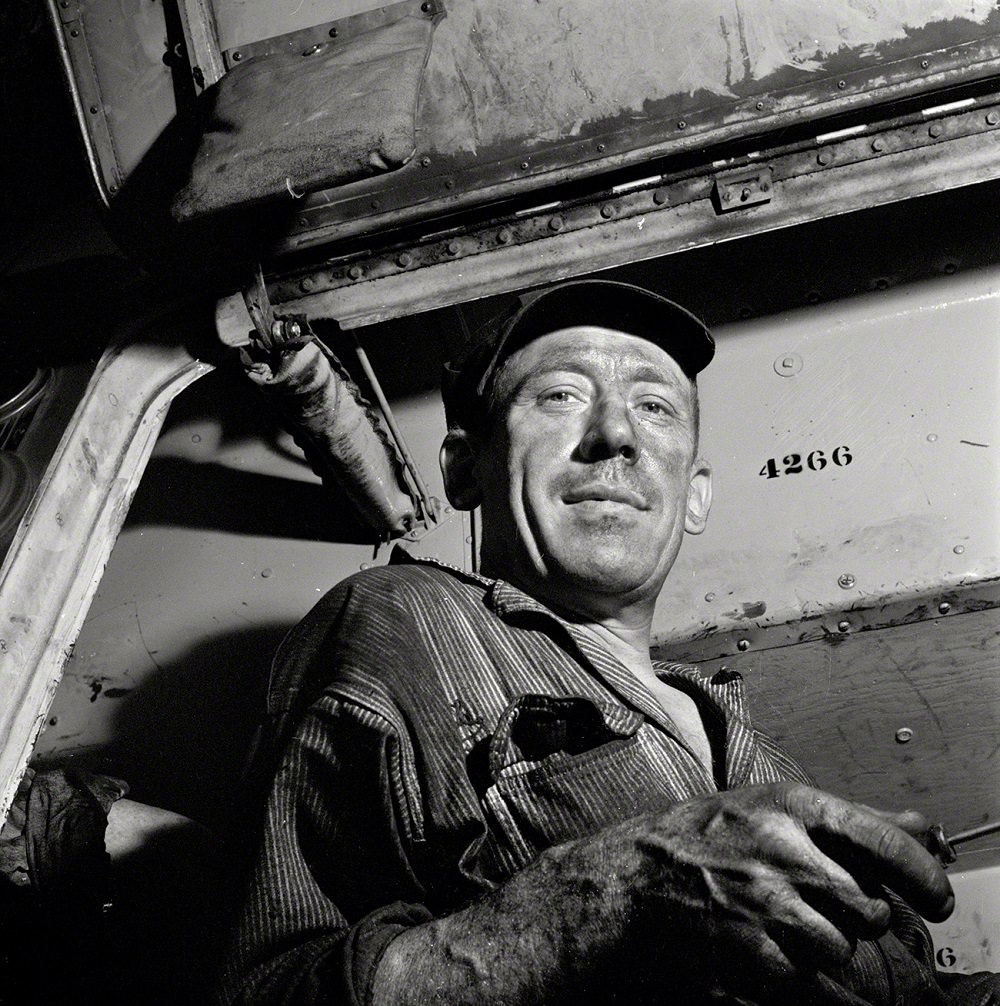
(515, 252)
(427, 187)
(311, 40)
(85, 93)
(54, 564)
(865, 615)
(201, 41)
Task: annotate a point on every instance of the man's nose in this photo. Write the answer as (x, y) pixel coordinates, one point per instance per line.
(610, 433)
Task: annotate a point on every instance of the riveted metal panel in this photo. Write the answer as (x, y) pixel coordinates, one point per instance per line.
(856, 455)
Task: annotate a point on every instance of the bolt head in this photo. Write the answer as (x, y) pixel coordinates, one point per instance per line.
(404, 260)
(355, 272)
(504, 236)
(306, 284)
(904, 735)
(556, 224)
(454, 247)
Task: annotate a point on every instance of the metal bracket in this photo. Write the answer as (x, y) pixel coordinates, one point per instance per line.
(310, 41)
(743, 189)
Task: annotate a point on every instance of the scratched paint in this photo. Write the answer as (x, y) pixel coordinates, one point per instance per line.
(502, 70)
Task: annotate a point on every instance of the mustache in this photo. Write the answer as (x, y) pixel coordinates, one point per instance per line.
(619, 483)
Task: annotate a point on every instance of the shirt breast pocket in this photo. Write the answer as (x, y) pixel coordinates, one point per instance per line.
(561, 768)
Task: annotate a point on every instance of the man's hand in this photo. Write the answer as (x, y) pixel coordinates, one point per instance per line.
(759, 894)
(769, 882)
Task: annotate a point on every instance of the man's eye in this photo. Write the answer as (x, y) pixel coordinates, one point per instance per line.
(557, 397)
(651, 408)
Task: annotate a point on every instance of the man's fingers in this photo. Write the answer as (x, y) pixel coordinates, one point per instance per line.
(871, 845)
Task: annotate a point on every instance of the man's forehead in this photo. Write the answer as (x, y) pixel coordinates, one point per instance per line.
(581, 347)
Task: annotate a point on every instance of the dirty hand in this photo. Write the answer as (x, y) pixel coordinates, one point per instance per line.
(772, 883)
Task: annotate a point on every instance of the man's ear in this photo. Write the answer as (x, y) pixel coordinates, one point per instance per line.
(699, 499)
(458, 466)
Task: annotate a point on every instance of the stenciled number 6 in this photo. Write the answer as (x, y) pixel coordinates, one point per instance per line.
(842, 456)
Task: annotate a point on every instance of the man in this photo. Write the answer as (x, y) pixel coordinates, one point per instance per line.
(488, 793)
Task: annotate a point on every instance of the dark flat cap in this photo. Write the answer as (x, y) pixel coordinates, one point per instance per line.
(621, 307)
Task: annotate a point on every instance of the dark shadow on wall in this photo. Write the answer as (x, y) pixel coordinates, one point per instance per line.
(178, 492)
(182, 738)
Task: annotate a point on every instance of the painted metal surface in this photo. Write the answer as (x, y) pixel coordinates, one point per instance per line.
(55, 561)
(866, 471)
(970, 940)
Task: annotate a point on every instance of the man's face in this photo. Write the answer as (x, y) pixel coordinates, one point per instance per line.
(588, 478)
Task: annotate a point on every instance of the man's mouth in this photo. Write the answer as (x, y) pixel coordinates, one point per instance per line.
(601, 492)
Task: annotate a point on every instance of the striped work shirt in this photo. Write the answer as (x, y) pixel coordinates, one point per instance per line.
(436, 731)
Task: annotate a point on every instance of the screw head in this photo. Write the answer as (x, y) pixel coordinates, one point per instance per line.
(992, 118)
(904, 735)
(824, 157)
(355, 272)
(660, 197)
(607, 211)
(425, 162)
(601, 147)
(743, 645)
(306, 284)
(924, 63)
(841, 84)
(237, 56)
(878, 145)
(404, 259)
(454, 247)
(525, 165)
(759, 106)
(682, 124)
(556, 224)
(846, 580)
(844, 626)
(944, 607)
(504, 236)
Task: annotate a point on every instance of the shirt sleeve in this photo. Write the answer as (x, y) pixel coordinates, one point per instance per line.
(333, 882)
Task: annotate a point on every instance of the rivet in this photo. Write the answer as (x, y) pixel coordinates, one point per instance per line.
(332, 33)
(682, 124)
(660, 197)
(404, 260)
(935, 129)
(112, 188)
(904, 735)
(504, 236)
(944, 607)
(303, 221)
(992, 118)
(75, 33)
(878, 145)
(306, 284)
(94, 110)
(454, 247)
(601, 147)
(195, 438)
(355, 272)
(727, 197)
(468, 539)
(950, 268)
(426, 8)
(525, 165)
(844, 626)
(765, 186)
(824, 157)
(313, 49)
(266, 572)
(846, 580)
(924, 63)
(556, 224)
(425, 162)
(374, 204)
(932, 438)
(881, 283)
(788, 365)
(841, 84)
(607, 211)
(743, 645)
(237, 56)
(710, 596)
(449, 183)
(759, 106)
(959, 549)
(64, 4)
(53, 720)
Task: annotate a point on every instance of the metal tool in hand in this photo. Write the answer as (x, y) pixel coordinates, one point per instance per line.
(943, 846)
